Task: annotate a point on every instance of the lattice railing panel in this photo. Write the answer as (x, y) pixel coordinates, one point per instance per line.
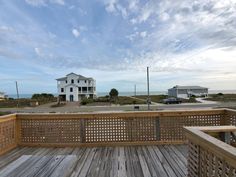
(158, 127)
(171, 127)
(193, 160)
(209, 156)
(7, 133)
(144, 129)
(211, 165)
(50, 131)
(106, 130)
(231, 117)
(120, 129)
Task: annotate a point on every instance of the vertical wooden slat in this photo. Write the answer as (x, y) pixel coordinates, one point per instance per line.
(82, 131)
(158, 131)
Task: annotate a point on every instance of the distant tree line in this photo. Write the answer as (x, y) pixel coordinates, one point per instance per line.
(43, 96)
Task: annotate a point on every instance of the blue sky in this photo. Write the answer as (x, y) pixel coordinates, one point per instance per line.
(184, 42)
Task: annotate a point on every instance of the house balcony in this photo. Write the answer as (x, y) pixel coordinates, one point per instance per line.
(86, 92)
(158, 143)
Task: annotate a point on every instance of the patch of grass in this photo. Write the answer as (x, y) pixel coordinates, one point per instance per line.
(102, 99)
(23, 102)
(58, 105)
(222, 97)
(123, 100)
(4, 113)
(154, 98)
(11, 103)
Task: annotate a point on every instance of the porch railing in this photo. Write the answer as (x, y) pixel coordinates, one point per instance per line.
(8, 133)
(209, 156)
(130, 128)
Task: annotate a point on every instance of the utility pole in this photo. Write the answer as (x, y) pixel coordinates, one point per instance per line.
(148, 97)
(17, 92)
(134, 89)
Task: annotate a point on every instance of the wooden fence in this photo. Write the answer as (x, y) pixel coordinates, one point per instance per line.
(209, 156)
(129, 128)
(7, 133)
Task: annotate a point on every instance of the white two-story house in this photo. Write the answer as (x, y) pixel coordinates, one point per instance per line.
(75, 87)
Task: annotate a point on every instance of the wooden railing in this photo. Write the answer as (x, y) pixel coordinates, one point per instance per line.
(112, 128)
(7, 133)
(209, 156)
(95, 129)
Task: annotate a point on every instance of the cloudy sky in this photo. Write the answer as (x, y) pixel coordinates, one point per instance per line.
(185, 42)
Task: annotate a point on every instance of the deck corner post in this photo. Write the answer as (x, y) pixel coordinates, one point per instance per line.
(18, 131)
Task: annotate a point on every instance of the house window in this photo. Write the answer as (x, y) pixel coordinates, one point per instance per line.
(78, 81)
(62, 89)
(71, 89)
(72, 81)
(66, 81)
(85, 81)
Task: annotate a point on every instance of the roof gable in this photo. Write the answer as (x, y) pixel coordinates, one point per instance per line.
(80, 77)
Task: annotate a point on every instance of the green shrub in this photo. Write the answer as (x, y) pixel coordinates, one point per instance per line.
(85, 101)
(220, 94)
(41, 96)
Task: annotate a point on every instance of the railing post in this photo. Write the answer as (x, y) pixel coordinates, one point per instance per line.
(225, 137)
(82, 131)
(225, 120)
(18, 131)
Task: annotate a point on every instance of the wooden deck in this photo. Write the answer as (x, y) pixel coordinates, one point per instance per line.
(159, 161)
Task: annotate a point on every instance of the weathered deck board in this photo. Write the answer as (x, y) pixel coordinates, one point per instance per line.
(164, 161)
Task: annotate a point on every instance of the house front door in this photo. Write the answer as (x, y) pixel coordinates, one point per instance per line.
(71, 98)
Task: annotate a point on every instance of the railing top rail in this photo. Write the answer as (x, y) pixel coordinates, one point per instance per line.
(135, 113)
(221, 149)
(7, 117)
(209, 129)
(230, 110)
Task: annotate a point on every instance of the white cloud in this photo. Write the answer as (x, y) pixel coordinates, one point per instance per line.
(38, 3)
(83, 28)
(122, 10)
(110, 5)
(61, 2)
(164, 16)
(6, 28)
(143, 34)
(133, 5)
(38, 51)
(75, 32)
(113, 6)
(133, 21)
(137, 35)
